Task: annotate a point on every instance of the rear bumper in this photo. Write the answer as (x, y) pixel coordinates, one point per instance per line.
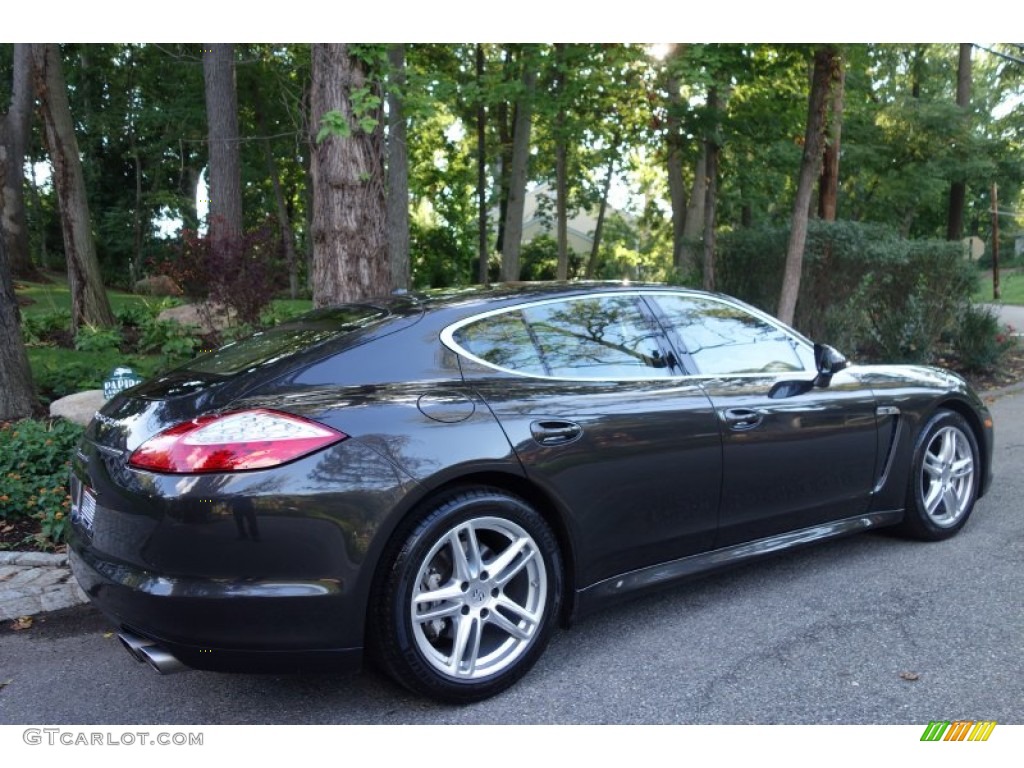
(219, 625)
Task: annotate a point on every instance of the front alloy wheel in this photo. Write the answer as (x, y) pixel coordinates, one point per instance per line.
(944, 478)
(471, 597)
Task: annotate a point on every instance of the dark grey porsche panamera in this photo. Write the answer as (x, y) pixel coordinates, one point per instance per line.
(441, 479)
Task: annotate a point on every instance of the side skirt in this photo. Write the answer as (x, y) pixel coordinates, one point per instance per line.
(610, 590)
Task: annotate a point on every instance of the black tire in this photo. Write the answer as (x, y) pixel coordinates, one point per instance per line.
(944, 478)
(498, 594)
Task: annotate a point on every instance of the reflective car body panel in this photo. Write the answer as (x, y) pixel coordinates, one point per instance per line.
(648, 467)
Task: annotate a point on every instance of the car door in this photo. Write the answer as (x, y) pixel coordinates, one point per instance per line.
(589, 395)
(792, 457)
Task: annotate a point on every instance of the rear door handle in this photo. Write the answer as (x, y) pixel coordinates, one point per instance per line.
(741, 419)
(555, 432)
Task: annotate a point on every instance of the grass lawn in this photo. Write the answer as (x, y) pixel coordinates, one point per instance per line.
(1011, 287)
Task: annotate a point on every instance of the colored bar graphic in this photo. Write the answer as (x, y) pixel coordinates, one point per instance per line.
(982, 730)
(958, 730)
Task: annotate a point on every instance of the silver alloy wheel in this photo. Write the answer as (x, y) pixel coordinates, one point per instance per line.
(947, 476)
(478, 599)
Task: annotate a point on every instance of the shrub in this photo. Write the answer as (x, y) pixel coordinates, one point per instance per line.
(35, 458)
(43, 328)
(863, 289)
(172, 340)
(238, 272)
(92, 338)
(979, 342)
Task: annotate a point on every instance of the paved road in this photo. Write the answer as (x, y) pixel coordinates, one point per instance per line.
(1010, 314)
(820, 636)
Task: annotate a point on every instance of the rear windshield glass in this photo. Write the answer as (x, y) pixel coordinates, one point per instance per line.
(277, 343)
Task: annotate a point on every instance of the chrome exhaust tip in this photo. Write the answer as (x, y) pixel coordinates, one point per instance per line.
(145, 650)
(134, 644)
(160, 660)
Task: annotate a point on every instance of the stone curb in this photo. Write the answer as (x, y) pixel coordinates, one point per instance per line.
(36, 582)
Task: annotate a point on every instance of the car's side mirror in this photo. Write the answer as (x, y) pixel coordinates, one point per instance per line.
(829, 361)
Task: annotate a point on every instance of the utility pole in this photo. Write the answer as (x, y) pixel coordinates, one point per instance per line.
(995, 241)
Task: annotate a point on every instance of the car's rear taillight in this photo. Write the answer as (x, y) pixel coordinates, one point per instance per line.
(231, 442)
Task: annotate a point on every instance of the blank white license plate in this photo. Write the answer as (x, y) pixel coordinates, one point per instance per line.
(83, 504)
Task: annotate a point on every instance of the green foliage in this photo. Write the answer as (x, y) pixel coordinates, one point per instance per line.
(92, 338)
(40, 328)
(172, 340)
(863, 289)
(333, 123)
(34, 462)
(979, 341)
(58, 372)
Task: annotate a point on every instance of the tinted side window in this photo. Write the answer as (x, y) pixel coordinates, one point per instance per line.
(504, 341)
(590, 338)
(723, 339)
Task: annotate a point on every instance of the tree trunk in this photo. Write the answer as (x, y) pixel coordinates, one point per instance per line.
(517, 175)
(14, 128)
(350, 249)
(284, 222)
(693, 226)
(89, 303)
(17, 394)
(225, 179)
(711, 152)
(561, 168)
(958, 189)
(674, 163)
(398, 174)
(809, 167)
(481, 169)
(595, 247)
(503, 175)
(828, 187)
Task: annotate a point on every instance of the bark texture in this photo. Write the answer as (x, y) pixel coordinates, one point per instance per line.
(89, 303)
(674, 165)
(225, 177)
(828, 193)
(350, 255)
(809, 168)
(513, 234)
(398, 173)
(958, 189)
(14, 127)
(482, 252)
(561, 170)
(17, 394)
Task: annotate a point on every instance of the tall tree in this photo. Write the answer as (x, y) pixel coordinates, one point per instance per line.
(518, 172)
(350, 254)
(712, 152)
(674, 159)
(89, 303)
(828, 187)
(561, 164)
(17, 395)
(958, 189)
(398, 172)
(482, 251)
(14, 127)
(225, 175)
(824, 58)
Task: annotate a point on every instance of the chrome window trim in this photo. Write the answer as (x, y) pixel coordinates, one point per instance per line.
(448, 340)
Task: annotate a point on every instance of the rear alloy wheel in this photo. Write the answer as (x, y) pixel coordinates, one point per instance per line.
(944, 480)
(471, 599)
